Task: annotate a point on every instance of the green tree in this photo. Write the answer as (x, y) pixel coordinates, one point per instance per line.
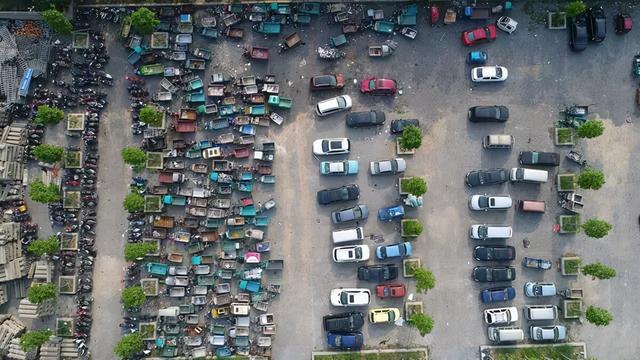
(48, 4)
(48, 115)
(591, 178)
(57, 22)
(599, 271)
(133, 297)
(48, 246)
(134, 202)
(144, 20)
(575, 8)
(38, 293)
(414, 185)
(133, 251)
(591, 129)
(412, 227)
(134, 157)
(48, 153)
(596, 228)
(424, 279)
(129, 345)
(151, 116)
(422, 322)
(34, 338)
(39, 192)
(411, 137)
(598, 316)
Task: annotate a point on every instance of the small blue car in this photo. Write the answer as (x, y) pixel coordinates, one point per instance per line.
(391, 213)
(394, 250)
(345, 341)
(477, 58)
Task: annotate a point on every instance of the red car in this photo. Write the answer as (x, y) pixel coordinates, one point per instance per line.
(375, 86)
(391, 290)
(475, 36)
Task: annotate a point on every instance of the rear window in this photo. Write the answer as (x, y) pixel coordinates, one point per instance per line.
(324, 81)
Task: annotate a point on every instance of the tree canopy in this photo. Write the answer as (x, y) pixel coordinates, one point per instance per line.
(48, 153)
(591, 129)
(133, 251)
(134, 202)
(133, 297)
(414, 185)
(424, 279)
(598, 316)
(38, 293)
(134, 157)
(151, 116)
(596, 228)
(57, 21)
(48, 246)
(48, 115)
(45, 194)
(423, 322)
(591, 178)
(144, 20)
(129, 345)
(599, 271)
(411, 137)
(33, 339)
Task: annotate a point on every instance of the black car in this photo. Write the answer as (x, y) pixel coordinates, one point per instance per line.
(399, 124)
(378, 273)
(494, 273)
(327, 82)
(486, 177)
(343, 193)
(495, 113)
(578, 33)
(539, 158)
(365, 118)
(596, 24)
(350, 321)
(494, 253)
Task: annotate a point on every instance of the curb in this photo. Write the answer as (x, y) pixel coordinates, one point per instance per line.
(425, 351)
(218, 3)
(484, 348)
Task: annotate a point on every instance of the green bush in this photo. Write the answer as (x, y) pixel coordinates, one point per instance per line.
(424, 279)
(575, 8)
(414, 185)
(599, 271)
(129, 345)
(591, 129)
(596, 228)
(591, 178)
(134, 202)
(38, 293)
(412, 227)
(33, 339)
(144, 20)
(48, 246)
(422, 322)
(411, 137)
(48, 153)
(44, 194)
(48, 115)
(598, 316)
(151, 116)
(57, 21)
(135, 251)
(133, 297)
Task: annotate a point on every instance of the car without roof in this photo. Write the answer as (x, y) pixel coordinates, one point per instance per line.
(349, 321)
(346, 167)
(548, 333)
(385, 315)
(536, 289)
(365, 118)
(327, 82)
(345, 341)
(391, 213)
(498, 294)
(397, 250)
(494, 253)
(494, 113)
(343, 193)
(507, 24)
(378, 86)
(398, 125)
(494, 273)
(539, 158)
(350, 297)
(596, 24)
(358, 212)
(378, 272)
(384, 291)
(351, 253)
(500, 316)
(332, 146)
(489, 74)
(486, 177)
(490, 202)
(388, 167)
(480, 34)
(333, 105)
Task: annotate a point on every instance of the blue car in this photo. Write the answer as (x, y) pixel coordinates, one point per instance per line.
(391, 213)
(345, 341)
(498, 294)
(394, 250)
(477, 58)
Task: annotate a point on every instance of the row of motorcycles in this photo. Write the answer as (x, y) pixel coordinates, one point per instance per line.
(35, 133)
(138, 95)
(108, 14)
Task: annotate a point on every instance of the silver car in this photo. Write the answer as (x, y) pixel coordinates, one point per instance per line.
(548, 333)
(358, 212)
(388, 167)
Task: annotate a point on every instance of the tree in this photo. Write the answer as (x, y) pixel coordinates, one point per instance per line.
(144, 20)
(599, 271)
(591, 179)
(57, 22)
(48, 115)
(48, 246)
(591, 129)
(48, 153)
(34, 338)
(129, 345)
(48, 4)
(134, 202)
(134, 157)
(575, 8)
(133, 251)
(411, 137)
(39, 192)
(414, 185)
(133, 297)
(422, 322)
(38, 293)
(424, 279)
(598, 316)
(151, 116)
(596, 228)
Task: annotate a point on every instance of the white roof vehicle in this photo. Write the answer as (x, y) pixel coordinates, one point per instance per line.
(335, 104)
(501, 316)
(507, 24)
(490, 202)
(351, 253)
(350, 297)
(489, 73)
(334, 146)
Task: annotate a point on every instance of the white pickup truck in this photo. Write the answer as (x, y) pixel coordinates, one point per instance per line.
(501, 316)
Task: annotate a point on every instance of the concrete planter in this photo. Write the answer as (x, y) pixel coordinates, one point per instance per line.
(567, 182)
(155, 161)
(407, 264)
(568, 267)
(411, 308)
(149, 286)
(572, 309)
(569, 224)
(557, 20)
(564, 137)
(403, 233)
(401, 151)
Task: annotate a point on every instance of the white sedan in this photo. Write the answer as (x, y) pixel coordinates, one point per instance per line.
(351, 253)
(489, 74)
(335, 146)
(350, 297)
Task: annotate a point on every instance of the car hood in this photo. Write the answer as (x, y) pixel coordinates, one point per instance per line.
(317, 147)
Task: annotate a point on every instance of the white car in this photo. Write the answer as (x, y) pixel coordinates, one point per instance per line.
(336, 146)
(333, 105)
(490, 202)
(536, 289)
(489, 74)
(388, 167)
(489, 232)
(214, 152)
(351, 253)
(507, 24)
(350, 297)
(501, 316)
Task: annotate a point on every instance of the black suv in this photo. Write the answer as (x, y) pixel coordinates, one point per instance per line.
(365, 118)
(596, 24)
(343, 193)
(350, 321)
(494, 253)
(578, 33)
(494, 273)
(486, 177)
(378, 273)
(495, 113)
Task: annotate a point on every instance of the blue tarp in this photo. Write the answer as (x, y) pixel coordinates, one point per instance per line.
(23, 90)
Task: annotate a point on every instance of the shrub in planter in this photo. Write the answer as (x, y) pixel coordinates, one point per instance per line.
(567, 182)
(414, 185)
(408, 266)
(564, 136)
(570, 265)
(411, 227)
(572, 309)
(411, 137)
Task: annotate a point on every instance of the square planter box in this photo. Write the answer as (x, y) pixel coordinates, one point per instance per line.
(71, 199)
(65, 327)
(155, 241)
(148, 330)
(567, 182)
(164, 120)
(564, 137)
(400, 190)
(80, 40)
(153, 204)
(407, 264)
(402, 231)
(411, 308)
(401, 151)
(155, 161)
(159, 40)
(572, 309)
(150, 286)
(569, 224)
(67, 285)
(557, 20)
(570, 265)
(72, 159)
(75, 121)
(69, 242)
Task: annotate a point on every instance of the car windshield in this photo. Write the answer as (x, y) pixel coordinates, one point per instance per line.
(358, 253)
(471, 36)
(498, 72)
(372, 84)
(344, 297)
(338, 340)
(325, 146)
(482, 231)
(483, 201)
(341, 102)
(392, 316)
(357, 212)
(537, 290)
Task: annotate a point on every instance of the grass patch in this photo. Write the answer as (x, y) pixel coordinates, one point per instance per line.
(566, 352)
(567, 182)
(152, 203)
(572, 266)
(71, 200)
(64, 327)
(564, 136)
(154, 160)
(569, 223)
(574, 308)
(409, 355)
(72, 159)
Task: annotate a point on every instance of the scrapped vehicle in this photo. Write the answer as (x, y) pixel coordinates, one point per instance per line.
(596, 24)
(397, 250)
(497, 294)
(343, 193)
(384, 291)
(378, 272)
(494, 253)
(334, 146)
(535, 289)
(358, 212)
(365, 118)
(490, 202)
(351, 253)
(398, 125)
(494, 273)
(534, 263)
(388, 167)
(548, 333)
(350, 297)
(327, 82)
(333, 105)
(350, 321)
(507, 24)
(391, 213)
(378, 86)
(495, 113)
(500, 316)
(486, 177)
(347, 167)
(382, 316)
(345, 341)
(539, 158)
(489, 74)
(478, 35)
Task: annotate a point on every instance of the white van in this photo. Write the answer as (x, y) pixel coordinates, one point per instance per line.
(529, 175)
(541, 312)
(489, 232)
(505, 334)
(347, 235)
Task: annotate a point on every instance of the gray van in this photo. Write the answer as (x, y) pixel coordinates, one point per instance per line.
(497, 141)
(541, 312)
(505, 334)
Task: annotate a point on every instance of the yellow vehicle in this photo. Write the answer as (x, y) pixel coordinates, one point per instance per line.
(385, 315)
